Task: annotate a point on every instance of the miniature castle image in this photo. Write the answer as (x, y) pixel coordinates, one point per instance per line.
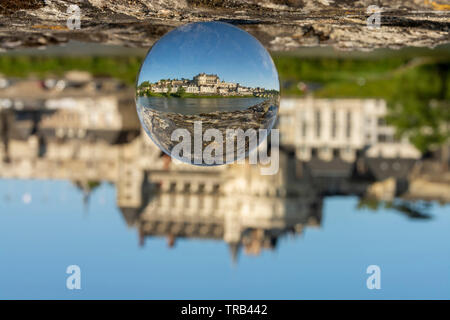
(201, 84)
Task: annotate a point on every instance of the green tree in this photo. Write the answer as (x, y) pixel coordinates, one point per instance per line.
(180, 92)
(420, 109)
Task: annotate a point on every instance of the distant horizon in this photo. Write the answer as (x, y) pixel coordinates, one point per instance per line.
(214, 48)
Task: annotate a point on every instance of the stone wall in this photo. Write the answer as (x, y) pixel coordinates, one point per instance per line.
(278, 24)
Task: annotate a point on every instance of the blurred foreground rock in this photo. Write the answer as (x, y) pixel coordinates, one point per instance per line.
(279, 24)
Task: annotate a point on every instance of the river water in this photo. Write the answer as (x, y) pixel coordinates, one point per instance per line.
(55, 228)
(197, 105)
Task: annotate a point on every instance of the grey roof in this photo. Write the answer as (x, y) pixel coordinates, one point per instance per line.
(382, 168)
(334, 168)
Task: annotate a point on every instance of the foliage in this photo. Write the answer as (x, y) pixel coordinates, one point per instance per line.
(124, 68)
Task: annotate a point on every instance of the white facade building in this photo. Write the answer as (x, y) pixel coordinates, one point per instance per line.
(192, 89)
(208, 89)
(339, 127)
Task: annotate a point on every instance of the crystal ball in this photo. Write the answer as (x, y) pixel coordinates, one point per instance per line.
(207, 93)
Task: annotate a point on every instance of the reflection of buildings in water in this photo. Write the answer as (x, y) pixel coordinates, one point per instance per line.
(237, 205)
(90, 132)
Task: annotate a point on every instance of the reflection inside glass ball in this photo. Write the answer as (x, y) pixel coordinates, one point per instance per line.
(207, 93)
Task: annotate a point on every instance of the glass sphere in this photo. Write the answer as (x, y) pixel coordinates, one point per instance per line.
(207, 93)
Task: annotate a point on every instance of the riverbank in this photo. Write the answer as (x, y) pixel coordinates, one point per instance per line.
(192, 95)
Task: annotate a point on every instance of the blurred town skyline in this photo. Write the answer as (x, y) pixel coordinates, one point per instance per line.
(201, 84)
(85, 129)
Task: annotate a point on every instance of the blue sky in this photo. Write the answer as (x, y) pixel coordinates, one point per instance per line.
(40, 239)
(214, 48)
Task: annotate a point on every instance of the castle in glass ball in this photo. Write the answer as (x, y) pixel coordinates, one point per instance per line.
(202, 84)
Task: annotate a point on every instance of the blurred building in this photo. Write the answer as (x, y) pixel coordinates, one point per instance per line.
(340, 128)
(236, 205)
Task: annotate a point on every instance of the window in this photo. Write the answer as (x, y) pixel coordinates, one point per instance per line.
(304, 128)
(349, 124)
(381, 122)
(317, 121)
(382, 138)
(335, 153)
(333, 124)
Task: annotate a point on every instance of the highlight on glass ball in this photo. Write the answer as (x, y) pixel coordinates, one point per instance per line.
(208, 93)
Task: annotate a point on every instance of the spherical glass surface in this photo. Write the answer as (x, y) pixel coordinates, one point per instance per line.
(207, 93)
